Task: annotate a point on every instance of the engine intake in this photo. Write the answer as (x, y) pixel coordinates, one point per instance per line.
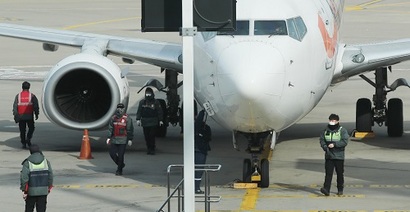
(82, 91)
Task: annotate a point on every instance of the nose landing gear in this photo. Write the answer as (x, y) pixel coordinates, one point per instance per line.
(255, 170)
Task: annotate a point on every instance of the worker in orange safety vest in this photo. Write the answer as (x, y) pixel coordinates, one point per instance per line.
(25, 107)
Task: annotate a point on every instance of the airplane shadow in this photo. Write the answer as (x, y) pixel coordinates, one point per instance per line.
(152, 169)
(381, 139)
(141, 167)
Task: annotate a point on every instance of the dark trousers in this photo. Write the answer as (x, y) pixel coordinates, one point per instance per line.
(117, 152)
(331, 165)
(22, 127)
(39, 202)
(149, 134)
(200, 158)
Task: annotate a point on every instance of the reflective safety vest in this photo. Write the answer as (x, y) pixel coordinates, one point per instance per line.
(333, 136)
(120, 126)
(38, 174)
(24, 104)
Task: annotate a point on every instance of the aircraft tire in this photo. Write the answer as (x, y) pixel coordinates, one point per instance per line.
(364, 120)
(395, 118)
(247, 171)
(264, 171)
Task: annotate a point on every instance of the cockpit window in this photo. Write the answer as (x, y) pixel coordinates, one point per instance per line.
(242, 28)
(297, 28)
(270, 28)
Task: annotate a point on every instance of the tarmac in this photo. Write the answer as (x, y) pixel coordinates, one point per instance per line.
(377, 170)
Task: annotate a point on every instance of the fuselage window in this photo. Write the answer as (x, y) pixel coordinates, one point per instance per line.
(242, 28)
(297, 28)
(270, 28)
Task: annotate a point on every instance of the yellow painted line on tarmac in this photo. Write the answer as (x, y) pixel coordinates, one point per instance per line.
(392, 211)
(67, 186)
(282, 196)
(370, 3)
(346, 186)
(277, 196)
(353, 8)
(249, 199)
(99, 22)
(111, 186)
(272, 186)
(292, 186)
(361, 6)
(336, 196)
(389, 186)
(104, 186)
(354, 186)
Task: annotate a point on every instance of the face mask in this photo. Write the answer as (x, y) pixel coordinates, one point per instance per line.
(120, 111)
(332, 123)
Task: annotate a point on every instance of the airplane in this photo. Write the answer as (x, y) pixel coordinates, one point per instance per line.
(255, 81)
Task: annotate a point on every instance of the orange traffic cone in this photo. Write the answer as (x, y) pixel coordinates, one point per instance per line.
(85, 147)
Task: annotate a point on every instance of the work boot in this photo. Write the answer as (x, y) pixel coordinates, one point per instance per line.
(340, 190)
(324, 191)
(28, 142)
(151, 152)
(23, 143)
(119, 170)
(199, 191)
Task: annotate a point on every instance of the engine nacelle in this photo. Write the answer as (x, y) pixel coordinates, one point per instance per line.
(83, 90)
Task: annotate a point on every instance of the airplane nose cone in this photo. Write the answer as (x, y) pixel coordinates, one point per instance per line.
(252, 72)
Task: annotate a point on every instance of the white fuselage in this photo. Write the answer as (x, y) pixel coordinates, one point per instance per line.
(254, 83)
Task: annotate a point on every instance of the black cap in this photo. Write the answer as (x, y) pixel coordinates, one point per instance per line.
(120, 105)
(334, 117)
(149, 90)
(34, 148)
(25, 85)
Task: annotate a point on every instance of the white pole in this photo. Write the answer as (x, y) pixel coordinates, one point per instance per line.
(188, 101)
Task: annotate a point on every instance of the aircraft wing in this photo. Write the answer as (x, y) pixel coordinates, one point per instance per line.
(99, 82)
(162, 54)
(357, 59)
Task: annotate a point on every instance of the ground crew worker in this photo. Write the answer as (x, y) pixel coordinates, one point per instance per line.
(25, 107)
(120, 133)
(36, 180)
(149, 115)
(333, 141)
(202, 138)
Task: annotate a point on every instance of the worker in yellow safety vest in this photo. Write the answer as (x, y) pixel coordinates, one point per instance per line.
(333, 141)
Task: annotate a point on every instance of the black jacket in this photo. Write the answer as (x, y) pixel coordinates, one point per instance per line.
(202, 134)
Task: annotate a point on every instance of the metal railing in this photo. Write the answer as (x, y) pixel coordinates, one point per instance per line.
(179, 189)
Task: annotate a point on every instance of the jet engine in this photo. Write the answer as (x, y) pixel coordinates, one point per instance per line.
(83, 90)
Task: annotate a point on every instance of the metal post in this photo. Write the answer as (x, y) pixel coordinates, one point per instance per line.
(188, 99)
(207, 192)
